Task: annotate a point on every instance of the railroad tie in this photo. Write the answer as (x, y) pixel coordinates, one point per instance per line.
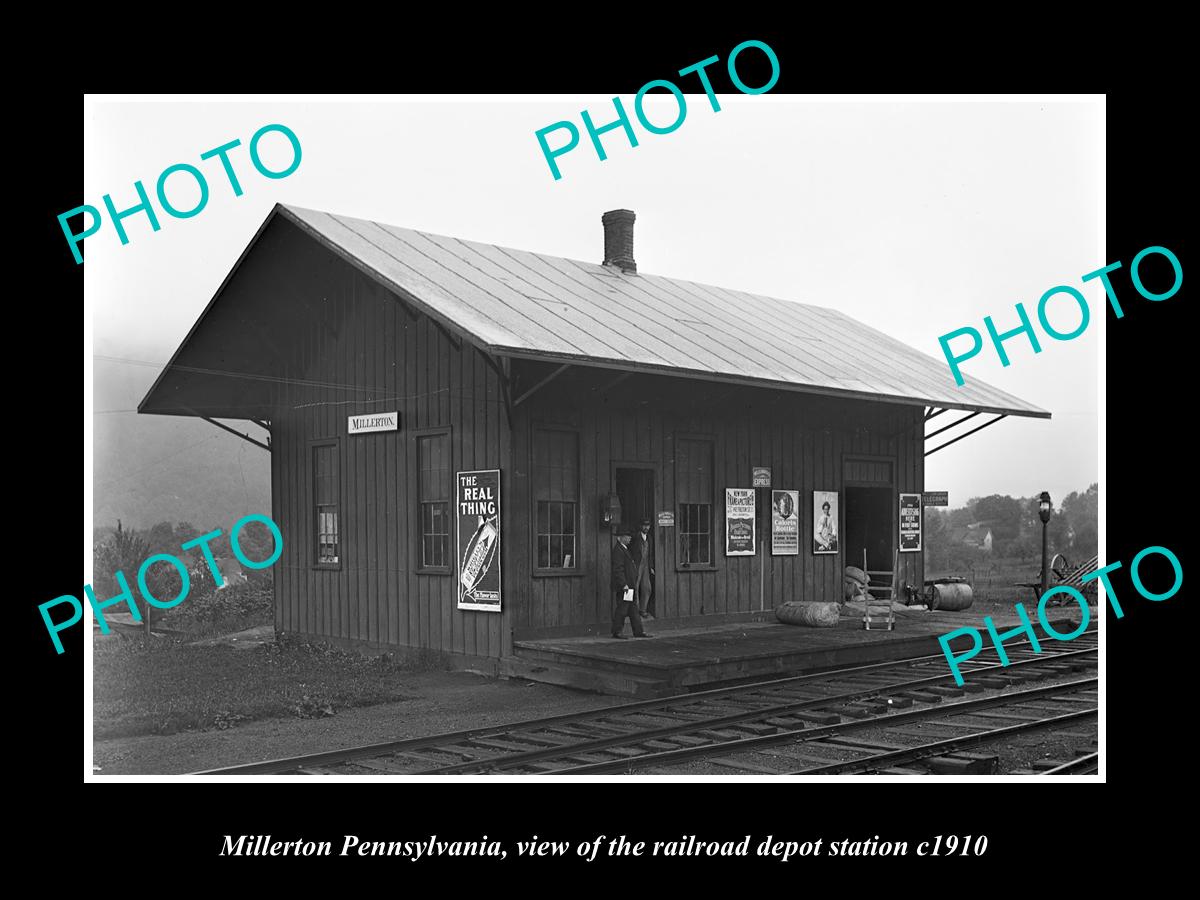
(821, 717)
(944, 691)
(497, 744)
(744, 766)
(1041, 765)
(964, 764)
(689, 740)
(660, 745)
(756, 728)
(787, 723)
(623, 751)
(920, 696)
(721, 734)
(875, 706)
(987, 681)
(378, 765)
(855, 712)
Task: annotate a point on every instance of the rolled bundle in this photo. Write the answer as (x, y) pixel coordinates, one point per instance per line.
(951, 597)
(814, 615)
(854, 582)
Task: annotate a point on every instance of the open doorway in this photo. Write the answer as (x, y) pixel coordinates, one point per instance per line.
(635, 486)
(869, 527)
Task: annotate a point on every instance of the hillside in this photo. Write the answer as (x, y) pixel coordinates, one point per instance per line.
(150, 469)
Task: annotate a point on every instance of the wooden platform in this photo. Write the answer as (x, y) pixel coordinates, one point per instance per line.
(677, 660)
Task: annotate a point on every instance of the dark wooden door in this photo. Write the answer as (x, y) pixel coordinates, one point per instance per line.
(869, 526)
(635, 487)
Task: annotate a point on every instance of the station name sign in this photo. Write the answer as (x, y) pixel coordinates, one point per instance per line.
(935, 498)
(388, 421)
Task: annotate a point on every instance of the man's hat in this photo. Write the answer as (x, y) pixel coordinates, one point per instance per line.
(622, 530)
(645, 521)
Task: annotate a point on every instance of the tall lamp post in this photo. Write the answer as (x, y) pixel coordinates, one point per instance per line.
(1044, 507)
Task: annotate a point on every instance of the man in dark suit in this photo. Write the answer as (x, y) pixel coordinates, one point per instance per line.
(624, 584)
(642, 550)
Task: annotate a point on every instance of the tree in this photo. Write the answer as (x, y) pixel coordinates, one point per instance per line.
(1082, 511)
(1002, 513)
(124, 552)
(161, 539)
(963, 515)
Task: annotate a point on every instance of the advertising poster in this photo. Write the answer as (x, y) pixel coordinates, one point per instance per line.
(825, 522)
(478, 501)
(785, 523)
(910, 523)
(739, 522)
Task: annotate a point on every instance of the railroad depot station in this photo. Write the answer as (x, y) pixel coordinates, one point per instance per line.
(456, 429)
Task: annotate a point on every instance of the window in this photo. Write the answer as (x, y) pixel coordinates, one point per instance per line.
(325, 499)
(556, 498)
(695, 534)
(694, 484)
(433, 459)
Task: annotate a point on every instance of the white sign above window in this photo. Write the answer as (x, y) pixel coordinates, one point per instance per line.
(388, 421)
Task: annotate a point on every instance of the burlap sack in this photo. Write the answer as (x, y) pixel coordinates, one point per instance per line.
(814, 615)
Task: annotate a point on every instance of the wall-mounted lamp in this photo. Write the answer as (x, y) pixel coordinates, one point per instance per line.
(610, 510)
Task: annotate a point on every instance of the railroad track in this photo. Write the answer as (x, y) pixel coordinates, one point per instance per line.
(748, 728)
(1089, 764)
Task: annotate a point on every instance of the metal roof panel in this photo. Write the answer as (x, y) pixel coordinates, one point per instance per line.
(541, 306)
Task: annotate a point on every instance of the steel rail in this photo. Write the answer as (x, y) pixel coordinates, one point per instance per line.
(940, 748)
(519, 758)
(1085, 765)
(331, 757)
(801, 735)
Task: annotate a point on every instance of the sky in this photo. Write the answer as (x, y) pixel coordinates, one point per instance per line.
(916, 218)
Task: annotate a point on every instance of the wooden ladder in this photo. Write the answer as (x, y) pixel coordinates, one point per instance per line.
(888, 587)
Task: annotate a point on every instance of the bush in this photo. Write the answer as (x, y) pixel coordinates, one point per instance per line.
(233, 608)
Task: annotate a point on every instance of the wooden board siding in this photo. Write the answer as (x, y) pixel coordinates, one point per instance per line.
(352, 347)
(805, 441)
(356, 349)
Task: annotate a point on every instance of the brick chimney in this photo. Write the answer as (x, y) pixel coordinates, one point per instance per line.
(618, 239)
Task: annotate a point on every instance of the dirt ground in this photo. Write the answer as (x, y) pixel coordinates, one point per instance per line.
(436, 702)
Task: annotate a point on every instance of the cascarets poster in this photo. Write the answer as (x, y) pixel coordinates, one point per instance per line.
(739, 522)
(785, 523)
(478, 502)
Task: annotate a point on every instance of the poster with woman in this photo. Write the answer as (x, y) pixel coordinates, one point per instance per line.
(825, 522)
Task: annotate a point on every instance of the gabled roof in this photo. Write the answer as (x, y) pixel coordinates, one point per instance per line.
(530, 305)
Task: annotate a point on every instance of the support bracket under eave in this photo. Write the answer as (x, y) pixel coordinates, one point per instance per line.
(541, 384)
(244, 437)
(609, 385)
(961, 436)
(503, 370)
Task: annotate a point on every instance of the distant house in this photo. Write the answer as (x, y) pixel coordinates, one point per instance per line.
(231, 571)
(978, 534)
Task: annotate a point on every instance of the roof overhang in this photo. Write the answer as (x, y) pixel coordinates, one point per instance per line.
(158, 400)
